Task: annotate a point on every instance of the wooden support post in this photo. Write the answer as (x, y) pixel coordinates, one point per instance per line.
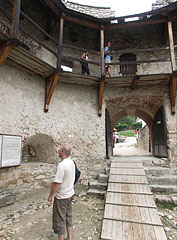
(102, 52)
(101, 96)
(173, 64)
(15, 18)
(135, 82)
(60, 43)
(172, 51)
(4, 52)
(173, 93)
(50, 87)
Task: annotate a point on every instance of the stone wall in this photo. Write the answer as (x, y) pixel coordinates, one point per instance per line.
(28, 176)
(143, 138)
(72, 119)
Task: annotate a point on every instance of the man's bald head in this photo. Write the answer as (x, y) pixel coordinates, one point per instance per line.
(64, 152)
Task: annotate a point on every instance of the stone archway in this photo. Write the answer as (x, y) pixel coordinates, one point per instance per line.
(138, 113)
(41, 148)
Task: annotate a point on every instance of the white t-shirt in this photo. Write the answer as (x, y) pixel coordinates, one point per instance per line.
(65, 175)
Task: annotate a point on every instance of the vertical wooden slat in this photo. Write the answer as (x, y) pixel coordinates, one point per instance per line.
(172, 51)
(102, 52)
(60, 43)
(173, 92)
(15, 18)
(101, 96)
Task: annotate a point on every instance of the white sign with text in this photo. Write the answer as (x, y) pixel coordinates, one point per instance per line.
(10, 150)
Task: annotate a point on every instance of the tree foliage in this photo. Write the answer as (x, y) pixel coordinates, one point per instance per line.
(128, 123)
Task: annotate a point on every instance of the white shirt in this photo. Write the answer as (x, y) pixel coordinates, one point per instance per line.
(65, 175)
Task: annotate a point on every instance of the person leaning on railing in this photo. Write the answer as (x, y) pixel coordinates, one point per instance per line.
(107, 59)
(84, 65)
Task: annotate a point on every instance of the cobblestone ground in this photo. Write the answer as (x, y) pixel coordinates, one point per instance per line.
(30, 217)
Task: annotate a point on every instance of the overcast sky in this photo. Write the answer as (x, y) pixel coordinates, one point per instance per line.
(122, 7)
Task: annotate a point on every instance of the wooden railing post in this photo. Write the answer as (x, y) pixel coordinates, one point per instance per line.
(15, 19)
(173, 65)
(59, 62)
(102, 50)
(101, 85)
(171, 42)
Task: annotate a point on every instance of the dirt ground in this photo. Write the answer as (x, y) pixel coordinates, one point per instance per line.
(30, 217)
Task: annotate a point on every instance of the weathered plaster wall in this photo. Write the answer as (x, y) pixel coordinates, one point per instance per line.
(72, 119)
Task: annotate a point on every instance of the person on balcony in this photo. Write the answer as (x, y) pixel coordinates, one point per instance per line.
(107, 59)
(85, 68)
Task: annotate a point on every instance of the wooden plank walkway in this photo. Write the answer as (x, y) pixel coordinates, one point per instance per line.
(130, 211)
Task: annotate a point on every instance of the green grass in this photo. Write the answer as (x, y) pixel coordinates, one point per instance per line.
(128, 133)
(166, 206)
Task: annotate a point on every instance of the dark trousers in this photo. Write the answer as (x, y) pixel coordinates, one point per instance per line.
(85, 68)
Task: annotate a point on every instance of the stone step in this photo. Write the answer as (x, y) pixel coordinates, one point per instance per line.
(163, 180)
(157, 171)
(164, 188)
(166, 199)
(7, 197)
(97, 185)
(96, 192)
(103, 178)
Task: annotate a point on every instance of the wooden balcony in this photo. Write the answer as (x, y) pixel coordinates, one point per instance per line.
(16, 51)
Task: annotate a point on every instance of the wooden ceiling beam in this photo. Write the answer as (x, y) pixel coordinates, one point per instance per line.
(173, 92)
(135, 23)
(81, 22)
(135, 81)
(49, 89)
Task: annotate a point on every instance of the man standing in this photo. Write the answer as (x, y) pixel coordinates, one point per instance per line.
(63, 191)
(107, 59)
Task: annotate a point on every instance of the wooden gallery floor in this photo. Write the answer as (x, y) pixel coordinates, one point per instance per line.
(130, 211)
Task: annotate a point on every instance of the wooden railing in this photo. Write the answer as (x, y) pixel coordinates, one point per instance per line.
(16, 27)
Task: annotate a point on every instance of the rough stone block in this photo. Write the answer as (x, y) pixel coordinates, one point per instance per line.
(7, 197)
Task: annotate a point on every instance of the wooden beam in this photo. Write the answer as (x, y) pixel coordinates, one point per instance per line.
(49, 89)
(102, 52)
(60, 42)
(81, 22)
(135, 82)
(15, 18)
(4, 52)
(171, 42)
(173, 92)
(101, 90)
(134, 23)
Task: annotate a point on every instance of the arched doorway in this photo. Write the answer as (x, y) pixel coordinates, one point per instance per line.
(159, 133)
(112, 119)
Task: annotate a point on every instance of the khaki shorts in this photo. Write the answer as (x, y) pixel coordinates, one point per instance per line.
(62, 215)
(107, 61)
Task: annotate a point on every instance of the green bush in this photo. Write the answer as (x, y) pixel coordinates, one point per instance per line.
(121, 127)
(136, 125)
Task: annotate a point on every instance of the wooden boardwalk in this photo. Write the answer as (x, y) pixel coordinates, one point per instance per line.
(130, 211)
